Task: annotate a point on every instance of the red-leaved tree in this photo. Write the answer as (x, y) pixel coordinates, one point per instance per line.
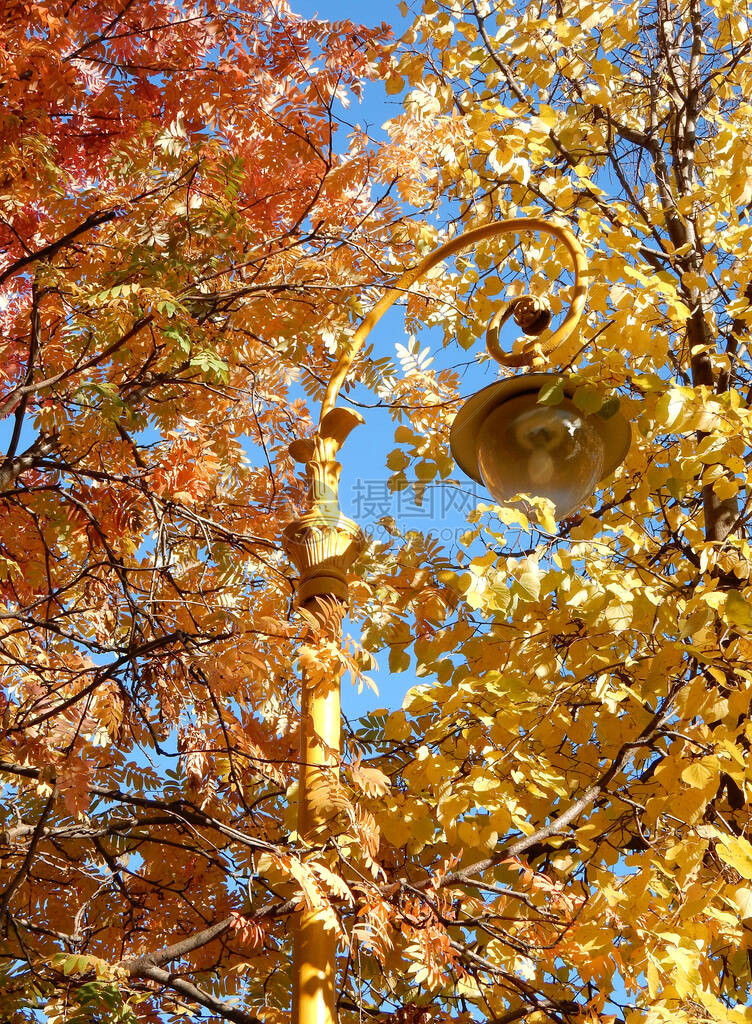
(178, 233)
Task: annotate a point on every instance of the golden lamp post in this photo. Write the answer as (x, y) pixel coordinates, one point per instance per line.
(501, 437)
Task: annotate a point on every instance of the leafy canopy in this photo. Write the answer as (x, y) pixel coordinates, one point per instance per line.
(554, 826)
(573, 768)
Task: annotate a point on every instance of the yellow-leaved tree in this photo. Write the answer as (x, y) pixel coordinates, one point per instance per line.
(567, 829)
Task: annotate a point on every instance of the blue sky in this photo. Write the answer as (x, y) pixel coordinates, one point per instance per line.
(376, 107)
(363, 492)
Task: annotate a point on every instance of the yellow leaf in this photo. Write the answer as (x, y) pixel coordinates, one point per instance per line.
(547, 115)
(701, 774)
(742, 898)
(737, 852)
(529, 580)
(393, 84)
(738, 611)
(726, 487)
(372, 781)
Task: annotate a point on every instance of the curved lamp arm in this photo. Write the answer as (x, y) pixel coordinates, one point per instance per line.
(531, 317)
(323, 542)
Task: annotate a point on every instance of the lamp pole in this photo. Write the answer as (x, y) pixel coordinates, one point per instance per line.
(324, 543)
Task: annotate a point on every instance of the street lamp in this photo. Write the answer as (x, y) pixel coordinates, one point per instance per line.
(502, 437)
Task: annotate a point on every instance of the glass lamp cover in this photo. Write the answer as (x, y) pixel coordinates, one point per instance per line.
(551, 451)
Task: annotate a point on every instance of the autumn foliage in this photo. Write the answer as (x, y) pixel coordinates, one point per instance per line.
(177, 224)
(554, 825)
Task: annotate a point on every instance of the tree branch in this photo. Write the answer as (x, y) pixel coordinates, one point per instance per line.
(18, 878)
(198, 995)
(94, 220)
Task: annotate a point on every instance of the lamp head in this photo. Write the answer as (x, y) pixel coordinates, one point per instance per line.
(502, 437)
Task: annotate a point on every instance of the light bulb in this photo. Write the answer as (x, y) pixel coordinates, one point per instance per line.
(540, 468)
(550, 451)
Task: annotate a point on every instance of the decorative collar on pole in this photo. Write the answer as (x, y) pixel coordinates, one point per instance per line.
(323, 543)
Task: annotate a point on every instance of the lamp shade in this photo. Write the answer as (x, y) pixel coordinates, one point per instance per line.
(504, 438)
